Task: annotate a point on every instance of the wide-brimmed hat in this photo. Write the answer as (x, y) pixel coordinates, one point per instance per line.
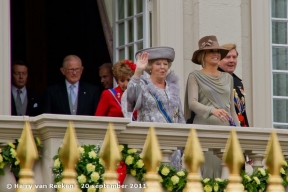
(158, 53)
(206, 43)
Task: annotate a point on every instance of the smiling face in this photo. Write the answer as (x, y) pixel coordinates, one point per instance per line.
(229, 63)
(212, 56)
(159, 68)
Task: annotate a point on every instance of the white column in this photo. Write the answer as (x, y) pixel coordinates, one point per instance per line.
(5, 57)
(261, 69)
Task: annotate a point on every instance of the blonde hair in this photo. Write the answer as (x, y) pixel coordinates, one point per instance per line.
(150, 62)
(121, 70)
(200, 58)
(230, 46)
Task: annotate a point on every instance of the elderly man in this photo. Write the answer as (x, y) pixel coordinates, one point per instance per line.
(23, 100)
(105, 73)
(228, 64)
(72, 96)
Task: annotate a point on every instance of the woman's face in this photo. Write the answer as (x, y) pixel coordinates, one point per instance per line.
(123, 83)
(159, 68)
(212, 56)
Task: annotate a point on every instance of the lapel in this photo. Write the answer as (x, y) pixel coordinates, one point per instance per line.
(13, 107)
(82, 97)
(63, 98)
(29, 103)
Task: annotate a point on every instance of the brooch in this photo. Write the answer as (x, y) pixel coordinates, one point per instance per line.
(242, 90)
(175, 113)
(118, 95)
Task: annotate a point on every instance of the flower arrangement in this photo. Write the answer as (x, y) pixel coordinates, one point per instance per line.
(89, 168)
(256, 182)
(217, 185)
(8, 157)
(170, 179)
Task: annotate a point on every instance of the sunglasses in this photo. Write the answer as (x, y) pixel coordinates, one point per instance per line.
(213, 51)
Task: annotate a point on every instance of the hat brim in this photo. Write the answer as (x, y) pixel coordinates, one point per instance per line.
(223, 53)
(158, 53)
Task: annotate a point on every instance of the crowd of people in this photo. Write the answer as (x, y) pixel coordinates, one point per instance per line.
(214, 95)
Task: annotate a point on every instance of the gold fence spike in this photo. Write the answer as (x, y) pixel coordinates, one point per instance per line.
(111, 156)
(274, 162)
(26, 153)
(234, 160)
(152, 156)
(193, 159)
(69, 157)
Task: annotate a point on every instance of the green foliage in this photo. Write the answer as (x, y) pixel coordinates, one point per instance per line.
(8, 157)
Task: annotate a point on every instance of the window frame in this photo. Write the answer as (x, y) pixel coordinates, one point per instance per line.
(146, 28)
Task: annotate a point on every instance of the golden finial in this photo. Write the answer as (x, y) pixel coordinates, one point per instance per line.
(193, 159)
(26, 153)
(234, 160)
(152, 157)
(69, 157)
(274, 162)
(111, 156)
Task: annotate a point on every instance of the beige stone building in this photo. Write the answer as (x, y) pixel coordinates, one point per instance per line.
(258, 27)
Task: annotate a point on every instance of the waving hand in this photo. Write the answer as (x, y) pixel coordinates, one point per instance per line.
(141, 64)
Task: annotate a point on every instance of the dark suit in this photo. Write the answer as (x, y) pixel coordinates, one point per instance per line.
(33, 105)
(57, 101)
(239, 95)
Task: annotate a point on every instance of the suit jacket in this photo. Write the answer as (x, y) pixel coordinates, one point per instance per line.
(240, 95)
(33, 105)
(57, 101)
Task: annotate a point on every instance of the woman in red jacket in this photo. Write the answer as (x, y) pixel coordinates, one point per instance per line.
(110, 101)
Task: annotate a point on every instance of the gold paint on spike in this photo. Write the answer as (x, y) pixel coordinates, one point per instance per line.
(152, 156)
(69, 157)
(26, 153)
(274, 162)
(193, 159)
(111, 156)
(234, 160)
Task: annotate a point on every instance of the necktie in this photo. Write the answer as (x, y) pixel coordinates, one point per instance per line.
(18, 98)
(72, 94)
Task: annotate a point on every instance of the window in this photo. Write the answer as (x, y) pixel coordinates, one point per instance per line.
(279, 65)
(131, 28)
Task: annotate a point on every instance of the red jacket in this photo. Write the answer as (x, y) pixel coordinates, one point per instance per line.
(108, 106)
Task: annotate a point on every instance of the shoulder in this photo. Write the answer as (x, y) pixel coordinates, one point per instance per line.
(236, 78)
(57, 86)
(226, 75)
(89, 86)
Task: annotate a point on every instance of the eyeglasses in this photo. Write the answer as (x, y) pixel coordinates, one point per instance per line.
(213, 51)
(77, 70)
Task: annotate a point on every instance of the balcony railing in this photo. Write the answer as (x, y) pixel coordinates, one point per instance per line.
(90, 130)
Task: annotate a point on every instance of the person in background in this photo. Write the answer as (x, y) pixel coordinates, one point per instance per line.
(110, 101)
(105, 73)
(72, 96)
(23, 100)
(228, 64)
